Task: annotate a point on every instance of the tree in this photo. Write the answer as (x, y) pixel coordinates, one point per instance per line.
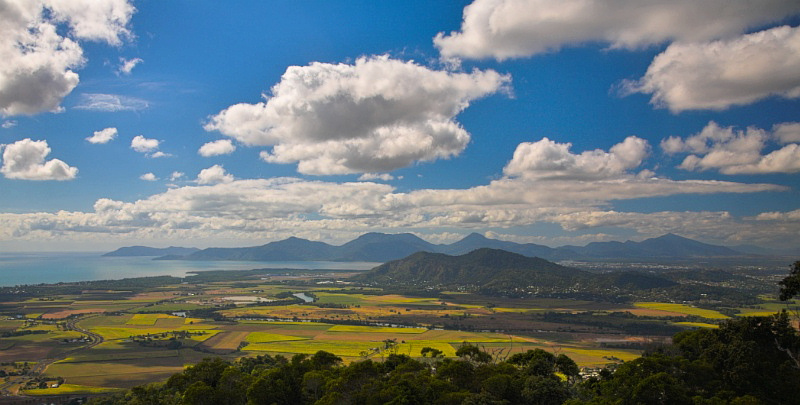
(790, 286)
(474, 354)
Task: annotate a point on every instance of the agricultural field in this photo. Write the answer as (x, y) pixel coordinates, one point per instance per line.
(106, 340)
(670, 309)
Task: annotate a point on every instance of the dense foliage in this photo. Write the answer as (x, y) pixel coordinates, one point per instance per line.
(745, 361)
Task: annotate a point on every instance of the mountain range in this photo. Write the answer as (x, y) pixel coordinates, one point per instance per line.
(380, 247)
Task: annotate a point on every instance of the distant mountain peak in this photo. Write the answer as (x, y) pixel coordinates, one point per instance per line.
(671, 236)
(474, 236)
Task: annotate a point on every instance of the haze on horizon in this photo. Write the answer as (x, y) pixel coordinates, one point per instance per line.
(179, 123)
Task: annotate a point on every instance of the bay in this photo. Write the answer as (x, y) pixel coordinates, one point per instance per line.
(37, 268)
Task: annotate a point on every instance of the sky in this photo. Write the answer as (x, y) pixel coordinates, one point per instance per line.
(202, 123)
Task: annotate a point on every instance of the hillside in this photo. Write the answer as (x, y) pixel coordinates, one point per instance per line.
(498, 272)
(150, 251)
(380, 247)
(292, 249)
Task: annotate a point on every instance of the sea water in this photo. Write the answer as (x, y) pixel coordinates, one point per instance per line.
(37, 268)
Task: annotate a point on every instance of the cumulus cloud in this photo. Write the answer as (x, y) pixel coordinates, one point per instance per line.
(216, 148)
(549, 159)
(571, 195)
(126, 65)
(103, 136)
(376, 115)
(375, 176)
(282, 207)
(39, 41)
(720, 74)
(110, 103)
(176, 175)
(141, 144)
(213, 175)
(148, 177)
(733, 151)
(504, 29)
(25, 160)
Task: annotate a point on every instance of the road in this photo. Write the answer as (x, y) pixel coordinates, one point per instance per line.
(41, 366)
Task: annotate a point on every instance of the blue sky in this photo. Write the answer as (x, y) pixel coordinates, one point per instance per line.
(191, 123)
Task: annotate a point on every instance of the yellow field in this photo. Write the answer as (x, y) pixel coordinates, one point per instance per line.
(65, 389)
(399, 299)
(682, 309)
(413, 347)
(375, 329)
(756, 312)
(125, 333)
(698, 324)
(518, 310)
(596, 357)
(338, 347)
(264, 337)
(148, 319)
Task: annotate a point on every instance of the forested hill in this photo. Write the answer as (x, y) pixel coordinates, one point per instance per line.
(477, 268)
(497, 272)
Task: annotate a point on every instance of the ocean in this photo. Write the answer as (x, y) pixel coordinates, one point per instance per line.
(37, 268)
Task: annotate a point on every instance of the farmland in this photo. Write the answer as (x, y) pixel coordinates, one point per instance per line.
(105, 339)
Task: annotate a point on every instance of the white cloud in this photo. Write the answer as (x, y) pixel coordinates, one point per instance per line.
(549, 159)
(9, 124)
(25, 160)
(255, 210)
(103, 136)
(110, 103)
(148, 177)
(141, 144)
(376, 115)
(159, 154)
(779, 216)
(571, 195)
(102, 21)
(504, 29)
(216, 148)
(176, 175)
(214, 175)
(126, 65)
(375, 176)
(787, 132)
(719, 74)
(734, 151)
(39, 58)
